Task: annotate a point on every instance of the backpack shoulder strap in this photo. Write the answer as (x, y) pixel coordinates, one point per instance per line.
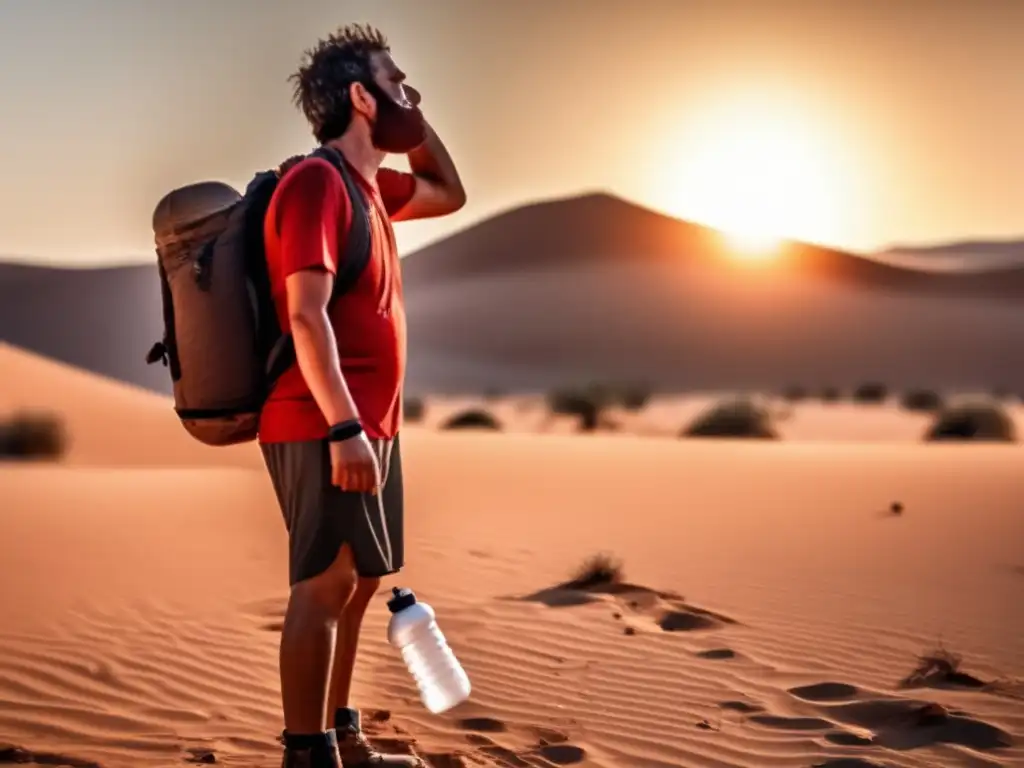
(357, 244)
(353, 261)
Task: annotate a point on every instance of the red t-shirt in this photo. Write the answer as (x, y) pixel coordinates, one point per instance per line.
(306, 228)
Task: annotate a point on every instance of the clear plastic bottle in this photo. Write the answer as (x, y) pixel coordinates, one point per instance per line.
(413, 630)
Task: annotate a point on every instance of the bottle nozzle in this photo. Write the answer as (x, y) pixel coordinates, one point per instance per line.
(401, 598)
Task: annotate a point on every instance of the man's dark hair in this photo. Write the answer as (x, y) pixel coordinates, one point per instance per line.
(323, 83)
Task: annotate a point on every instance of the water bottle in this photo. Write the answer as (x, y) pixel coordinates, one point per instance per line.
(439, 676)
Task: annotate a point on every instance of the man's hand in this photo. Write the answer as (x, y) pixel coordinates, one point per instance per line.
(354, 465)
(439, 189)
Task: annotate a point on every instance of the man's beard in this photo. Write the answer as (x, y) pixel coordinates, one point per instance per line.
(397, 129)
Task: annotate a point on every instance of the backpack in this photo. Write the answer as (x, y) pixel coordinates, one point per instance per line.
(222, 342)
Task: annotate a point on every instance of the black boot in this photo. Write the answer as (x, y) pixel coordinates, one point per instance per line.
(318, 750)
(356, 751)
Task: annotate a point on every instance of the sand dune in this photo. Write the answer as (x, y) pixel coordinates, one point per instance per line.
(594, 287)
(978, 255)
(701, 328)
(109, 423)
(770, 609)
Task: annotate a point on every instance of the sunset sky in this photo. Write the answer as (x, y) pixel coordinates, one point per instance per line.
(848, 123)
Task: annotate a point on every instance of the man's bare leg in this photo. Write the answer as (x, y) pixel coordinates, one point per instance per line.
(350, 622)
(307, 646)
(355, 750)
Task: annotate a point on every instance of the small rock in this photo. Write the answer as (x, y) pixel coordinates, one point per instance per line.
(629, 631)
(896, 507)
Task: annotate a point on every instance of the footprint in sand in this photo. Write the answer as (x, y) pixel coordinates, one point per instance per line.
(717, 654)
(482, 725)
(847, 739)
(825, 692)
(904, 724)
(783, 723)
(11, 754)
(895, 723)
(641, 607)
(743, 707)
(562, 754)
(533, 742)
(201, 756)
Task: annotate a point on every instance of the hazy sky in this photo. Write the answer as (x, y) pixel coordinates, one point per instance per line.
(849, 123)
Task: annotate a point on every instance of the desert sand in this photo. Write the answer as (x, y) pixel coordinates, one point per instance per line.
(771, 602)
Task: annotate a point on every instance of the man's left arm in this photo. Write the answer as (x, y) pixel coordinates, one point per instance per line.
(437, 188)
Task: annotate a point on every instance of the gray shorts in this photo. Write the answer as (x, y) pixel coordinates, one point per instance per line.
(320, 517)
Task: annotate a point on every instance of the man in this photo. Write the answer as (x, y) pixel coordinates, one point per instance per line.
(329, 430)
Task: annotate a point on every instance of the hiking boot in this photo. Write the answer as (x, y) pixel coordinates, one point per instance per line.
(322, 754)
(357, 752)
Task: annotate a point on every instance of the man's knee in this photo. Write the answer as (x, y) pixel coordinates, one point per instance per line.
(366, 588)
(336, 586)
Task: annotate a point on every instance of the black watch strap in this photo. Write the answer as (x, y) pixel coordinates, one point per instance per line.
(344, 430)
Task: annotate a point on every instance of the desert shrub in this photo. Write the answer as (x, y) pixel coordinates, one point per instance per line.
(589, 403)
(973, 421)
(733, 418)
(831, 394)
(33, 436)
(871, 392)
(921, 400)
(633, 397)
(596, 571)
(794, 393)
(940, 668)
(413, 409)
(586, 404)
(472, 419)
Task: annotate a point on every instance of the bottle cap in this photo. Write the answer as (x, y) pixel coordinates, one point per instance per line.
(402, 598)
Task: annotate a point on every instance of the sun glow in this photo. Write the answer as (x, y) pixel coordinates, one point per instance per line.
(760, 174)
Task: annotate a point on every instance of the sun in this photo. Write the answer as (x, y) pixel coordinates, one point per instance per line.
(760, 172)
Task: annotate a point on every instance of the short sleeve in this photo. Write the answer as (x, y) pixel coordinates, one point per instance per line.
(311, 204)
(396, 189)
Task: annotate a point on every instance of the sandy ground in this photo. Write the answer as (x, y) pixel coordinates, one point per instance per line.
(772, 602)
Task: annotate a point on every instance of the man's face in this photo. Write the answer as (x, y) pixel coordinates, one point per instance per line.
(396, 123)
(390, 78)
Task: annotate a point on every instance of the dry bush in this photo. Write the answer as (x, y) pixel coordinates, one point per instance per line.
(472, 419)
(921, 400)
(413, 409)
(871, 392)
(733, 418)
(596, 571)
(633, 397)
(939, 669)
(794, 393)
(981, 421)
(831, 394)
(33, 436)
(587, 404)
